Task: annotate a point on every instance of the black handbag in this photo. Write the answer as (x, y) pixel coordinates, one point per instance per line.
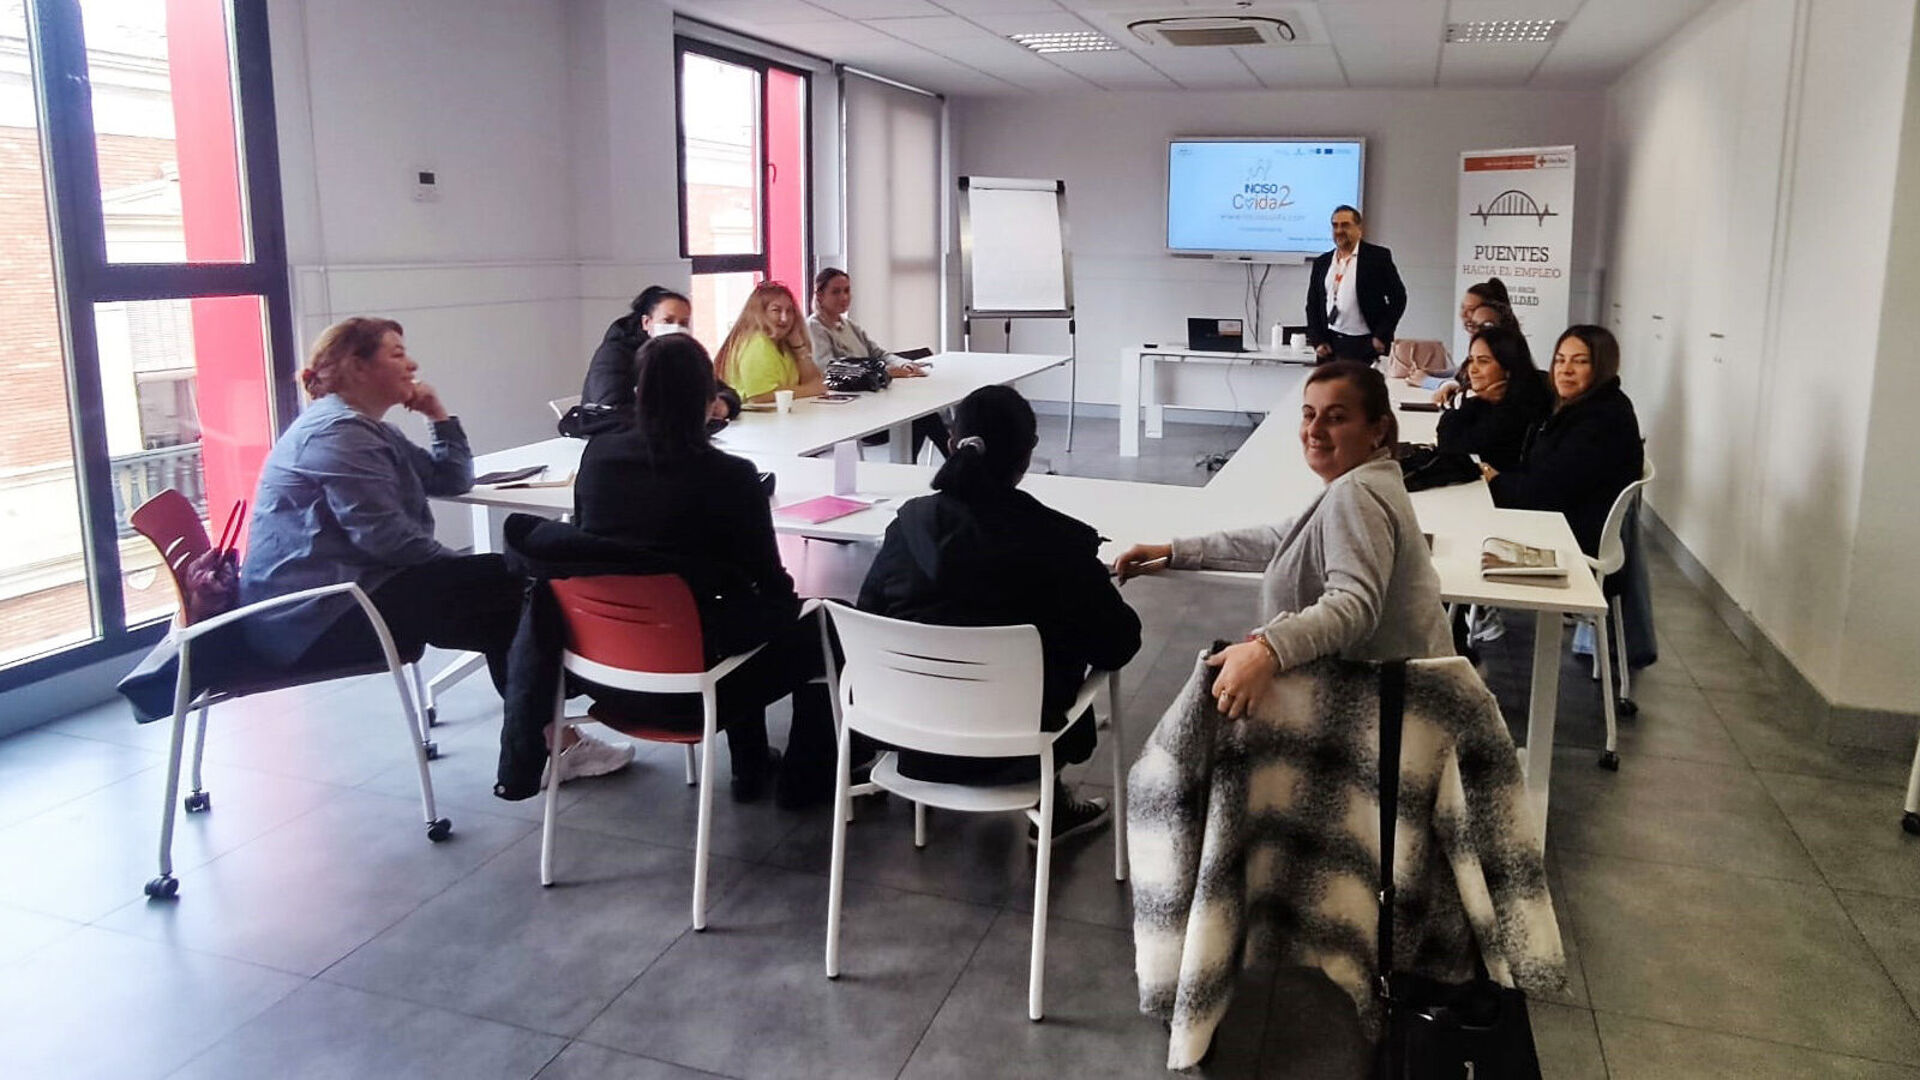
(847, 376)
(1423, 467)
(1478, 1030)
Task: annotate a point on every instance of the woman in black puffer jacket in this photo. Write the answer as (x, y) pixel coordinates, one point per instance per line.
(1579, 459)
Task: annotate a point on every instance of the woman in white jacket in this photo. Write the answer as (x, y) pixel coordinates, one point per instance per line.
(1351, 576)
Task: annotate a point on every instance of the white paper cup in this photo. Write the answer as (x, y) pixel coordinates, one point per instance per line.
(783, 400)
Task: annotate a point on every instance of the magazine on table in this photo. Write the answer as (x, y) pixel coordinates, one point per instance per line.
(1502, 559)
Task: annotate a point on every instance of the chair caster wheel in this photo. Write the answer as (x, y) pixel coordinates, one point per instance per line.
(439, 830)
(1626, 707)
(199, 802)
(433, 715)
(1610, 761)
(433, 750)
(1911, 823)
(164, 887)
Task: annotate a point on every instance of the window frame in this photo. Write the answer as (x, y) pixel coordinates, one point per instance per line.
(84, 277)
(760, 262)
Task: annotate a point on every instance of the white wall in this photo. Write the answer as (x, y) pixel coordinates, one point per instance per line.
(484, 279)
(1751, 192)
(1111, 148)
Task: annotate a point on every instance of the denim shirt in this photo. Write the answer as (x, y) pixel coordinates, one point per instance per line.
(342, 497)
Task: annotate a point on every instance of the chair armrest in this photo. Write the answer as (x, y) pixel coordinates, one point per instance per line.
(237, 614)
(725, 667)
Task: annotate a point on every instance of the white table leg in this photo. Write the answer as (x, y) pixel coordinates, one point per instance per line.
(1541, 708)
(900, 444)
(1130, 362)
(1156, 416)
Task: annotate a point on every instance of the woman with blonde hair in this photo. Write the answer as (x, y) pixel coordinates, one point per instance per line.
(768, 348)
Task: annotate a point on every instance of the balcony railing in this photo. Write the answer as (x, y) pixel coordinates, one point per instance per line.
(139, 477)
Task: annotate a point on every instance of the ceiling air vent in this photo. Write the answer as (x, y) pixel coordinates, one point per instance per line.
(1213, 31)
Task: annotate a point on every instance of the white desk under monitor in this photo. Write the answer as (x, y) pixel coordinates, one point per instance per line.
(1140, 383)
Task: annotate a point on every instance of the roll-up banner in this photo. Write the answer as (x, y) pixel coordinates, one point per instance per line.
(1516, 224)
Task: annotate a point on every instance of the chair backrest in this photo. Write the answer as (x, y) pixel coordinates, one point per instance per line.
(1613, 548)
(560, 405)
(634, 622)
(968, 690)
(175, 529)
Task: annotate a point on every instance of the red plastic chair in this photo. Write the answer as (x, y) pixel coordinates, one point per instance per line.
(642, 633)
(170, 522)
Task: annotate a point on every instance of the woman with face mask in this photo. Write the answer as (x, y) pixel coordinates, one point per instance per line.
(657, 310)
(1351, 576)
(768, 349)
(1506, 397)
(1580, 458)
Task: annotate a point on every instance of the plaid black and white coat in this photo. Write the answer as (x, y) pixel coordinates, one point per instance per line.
(1262, 839)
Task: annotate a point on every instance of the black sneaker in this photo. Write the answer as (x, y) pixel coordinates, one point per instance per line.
(1071, 816)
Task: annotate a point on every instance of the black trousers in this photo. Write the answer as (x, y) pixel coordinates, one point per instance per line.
(1351, 347)
(930, 426)
(466, 602)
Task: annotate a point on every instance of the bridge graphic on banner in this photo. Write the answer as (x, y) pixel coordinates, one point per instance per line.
(1514, 203)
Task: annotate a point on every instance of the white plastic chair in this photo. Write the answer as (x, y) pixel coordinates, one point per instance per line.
(1910, 820)
(174, 527)
(641, 633)
(560, 405)
(966, 691)
(1613, 554)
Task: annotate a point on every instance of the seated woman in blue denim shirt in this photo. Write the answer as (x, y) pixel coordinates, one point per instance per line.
(343, 497)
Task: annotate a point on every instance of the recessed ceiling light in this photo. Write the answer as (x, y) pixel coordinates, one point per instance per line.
(1503, 31)
(1063, 41)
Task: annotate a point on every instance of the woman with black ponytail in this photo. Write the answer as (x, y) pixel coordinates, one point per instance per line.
(981, 552)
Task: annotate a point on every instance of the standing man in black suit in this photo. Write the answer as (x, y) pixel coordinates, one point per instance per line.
(1354, 295)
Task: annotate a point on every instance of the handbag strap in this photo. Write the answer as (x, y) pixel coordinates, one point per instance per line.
(1393, 700)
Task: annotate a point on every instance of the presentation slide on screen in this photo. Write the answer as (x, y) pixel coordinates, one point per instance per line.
(1258, 196)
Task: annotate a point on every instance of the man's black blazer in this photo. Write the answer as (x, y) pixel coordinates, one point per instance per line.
(1383, 299)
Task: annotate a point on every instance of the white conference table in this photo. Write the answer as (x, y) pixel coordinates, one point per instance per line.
(1140, 382)
(816, 426)
(1266, 481)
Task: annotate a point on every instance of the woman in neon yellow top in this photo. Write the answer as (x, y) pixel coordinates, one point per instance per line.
(768, 348)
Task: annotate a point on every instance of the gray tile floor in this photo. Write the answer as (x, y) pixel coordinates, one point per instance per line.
(1738, 900)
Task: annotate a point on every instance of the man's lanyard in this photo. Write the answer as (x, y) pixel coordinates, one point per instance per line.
(1340, 267)
(1339, 273)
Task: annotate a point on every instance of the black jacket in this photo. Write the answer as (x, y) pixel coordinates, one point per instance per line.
(1578, 461)
(1383, 298)
(541, 550)
(610, 374)
(1004, 560)
(1495, 431)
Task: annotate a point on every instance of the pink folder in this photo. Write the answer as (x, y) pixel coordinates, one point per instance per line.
(824, 508)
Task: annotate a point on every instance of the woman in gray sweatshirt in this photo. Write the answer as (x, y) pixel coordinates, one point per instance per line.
(1351, 576)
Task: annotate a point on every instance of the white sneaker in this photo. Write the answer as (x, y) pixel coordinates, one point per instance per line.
(591, 757)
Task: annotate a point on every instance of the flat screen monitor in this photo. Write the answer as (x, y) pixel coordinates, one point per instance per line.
(1250, 198)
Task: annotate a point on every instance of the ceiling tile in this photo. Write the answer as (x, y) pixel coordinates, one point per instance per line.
(1388, 44)
(1296, 67)
(1490, 10)
(1041, 22)
(1604, 40)
(879, 9)
(829, 39)
(744, 14)
(1114, 70)
(1489, 65)
(931, 29)
(1202, 69)
(996, 7)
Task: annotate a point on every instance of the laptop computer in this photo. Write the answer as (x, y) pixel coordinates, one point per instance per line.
(1216, 335)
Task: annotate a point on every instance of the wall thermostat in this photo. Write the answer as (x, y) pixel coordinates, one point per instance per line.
(426, 185)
